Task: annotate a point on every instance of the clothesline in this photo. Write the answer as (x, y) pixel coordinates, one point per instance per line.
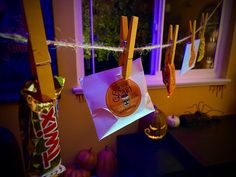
(24, 40)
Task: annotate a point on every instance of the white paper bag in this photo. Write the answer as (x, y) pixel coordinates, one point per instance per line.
(114, 102)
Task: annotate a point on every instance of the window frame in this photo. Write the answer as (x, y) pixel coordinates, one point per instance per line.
(195, 77)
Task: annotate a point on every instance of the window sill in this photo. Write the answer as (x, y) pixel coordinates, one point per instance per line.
(155, 82)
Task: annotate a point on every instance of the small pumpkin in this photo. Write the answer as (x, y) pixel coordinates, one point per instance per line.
(68, 171)
(107, 163)
(73, 172)
(86, 159)
(154, 125)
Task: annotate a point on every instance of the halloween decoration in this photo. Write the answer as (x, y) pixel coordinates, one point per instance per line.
(68, 171)
(154, 124)
(86, 159)
(218, 90)
(198, 113)
(168, 72)
(121, 97)
(116, 102)
(73, 172)
(107, 163)
(188, 54)
(173, 121)
(201, 110)
(165, 70)
(201, 51)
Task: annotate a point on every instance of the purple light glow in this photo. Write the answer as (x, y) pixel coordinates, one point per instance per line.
(91, 35)
(157, 31)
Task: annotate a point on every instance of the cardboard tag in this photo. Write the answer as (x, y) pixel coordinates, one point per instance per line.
(123, 97)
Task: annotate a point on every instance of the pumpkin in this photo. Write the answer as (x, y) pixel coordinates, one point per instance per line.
(86, 159)
(154, 124)
(107, 163)
(68, 171)
(73, 172)
(173, 121)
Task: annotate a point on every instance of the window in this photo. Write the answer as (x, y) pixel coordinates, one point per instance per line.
(100, 29)
(15, 67)
(160, 14)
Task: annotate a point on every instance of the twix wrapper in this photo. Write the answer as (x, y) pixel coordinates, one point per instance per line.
(39, 127)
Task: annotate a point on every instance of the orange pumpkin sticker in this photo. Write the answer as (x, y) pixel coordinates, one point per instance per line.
(123, 97)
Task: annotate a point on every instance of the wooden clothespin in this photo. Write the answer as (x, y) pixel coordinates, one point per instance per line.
(176, 31)
(172, 39)
(41, 61)
(201, 50)
(204, 23)
(192, 27)
(123, 36)
(169, 41)
(126, 57)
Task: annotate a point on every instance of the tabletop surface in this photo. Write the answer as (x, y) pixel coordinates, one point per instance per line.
(210, 143)
(182, 149)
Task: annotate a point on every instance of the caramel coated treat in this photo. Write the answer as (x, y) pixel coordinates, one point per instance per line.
(40, 134)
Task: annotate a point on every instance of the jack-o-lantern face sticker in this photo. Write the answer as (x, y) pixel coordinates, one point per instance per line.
(123, 97)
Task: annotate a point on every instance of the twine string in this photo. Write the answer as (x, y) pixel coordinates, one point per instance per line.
(22, 39)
